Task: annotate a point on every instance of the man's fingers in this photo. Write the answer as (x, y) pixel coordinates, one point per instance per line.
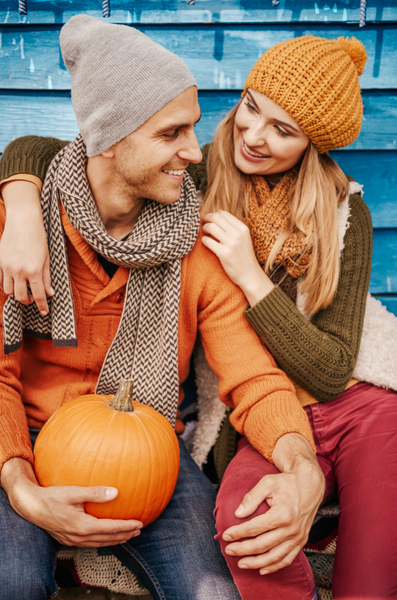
(94, 544)
(277, 517)
(95, 540)
(259, 544)
(98, 493)
(94, 526)
(277, 556)
(255, 497)
(108, 537)
(285, 562)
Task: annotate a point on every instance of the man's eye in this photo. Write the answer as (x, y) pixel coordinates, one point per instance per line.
(171, 136)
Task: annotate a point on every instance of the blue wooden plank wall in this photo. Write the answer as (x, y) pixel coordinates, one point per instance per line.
(219, 40)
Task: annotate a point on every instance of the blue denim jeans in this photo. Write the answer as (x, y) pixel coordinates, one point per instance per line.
(175, 557)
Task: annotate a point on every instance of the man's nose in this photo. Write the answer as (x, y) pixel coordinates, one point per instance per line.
(191, 149)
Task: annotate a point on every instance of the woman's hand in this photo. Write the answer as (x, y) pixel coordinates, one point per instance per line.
(23, 246)
(231, 241)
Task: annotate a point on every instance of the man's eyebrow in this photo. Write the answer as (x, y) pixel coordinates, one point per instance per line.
(251, 99)
(175, 126)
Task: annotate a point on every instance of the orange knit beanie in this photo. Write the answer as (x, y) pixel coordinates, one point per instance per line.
(316, 81)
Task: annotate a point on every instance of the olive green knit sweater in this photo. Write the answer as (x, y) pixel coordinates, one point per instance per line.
(321, 354)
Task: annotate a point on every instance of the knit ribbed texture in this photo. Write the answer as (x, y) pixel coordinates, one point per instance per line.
(268, 214)
(29, 155)
(316, 81)
(321, 355)
(120, 78)
(248, 377)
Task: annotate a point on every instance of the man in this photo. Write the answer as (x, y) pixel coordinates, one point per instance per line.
(119, 195)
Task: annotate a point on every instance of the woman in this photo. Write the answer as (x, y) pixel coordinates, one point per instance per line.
(269, 167)
(277, 216)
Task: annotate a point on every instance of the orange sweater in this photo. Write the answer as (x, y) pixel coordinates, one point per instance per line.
(37, 379)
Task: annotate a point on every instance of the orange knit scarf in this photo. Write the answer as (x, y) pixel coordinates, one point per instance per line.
(268, 214)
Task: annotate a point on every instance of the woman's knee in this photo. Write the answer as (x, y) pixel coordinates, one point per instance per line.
(244, 472)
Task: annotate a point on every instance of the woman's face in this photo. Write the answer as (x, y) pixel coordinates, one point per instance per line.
(267, 140)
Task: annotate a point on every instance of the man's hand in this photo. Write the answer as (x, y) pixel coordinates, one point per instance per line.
(23, 246)
(294, 496)
(60, 510)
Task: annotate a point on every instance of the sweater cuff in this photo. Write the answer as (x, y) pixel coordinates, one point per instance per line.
(267, 421)
(18, 454)
(28, 165)
(23, 177)
(274, 307)
(14, 434)
(29, 155)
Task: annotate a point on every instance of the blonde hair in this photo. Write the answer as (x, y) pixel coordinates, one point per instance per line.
(320, 187)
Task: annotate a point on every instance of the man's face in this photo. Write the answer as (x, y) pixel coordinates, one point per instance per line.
(149, 163)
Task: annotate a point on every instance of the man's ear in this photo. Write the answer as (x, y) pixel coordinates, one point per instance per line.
(109, 153)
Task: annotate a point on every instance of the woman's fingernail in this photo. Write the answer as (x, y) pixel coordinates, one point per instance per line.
(243, 566)
(43, 313)
(52, 291)
(227, 537)
(229, 552)
(240, 510)
(264, 572)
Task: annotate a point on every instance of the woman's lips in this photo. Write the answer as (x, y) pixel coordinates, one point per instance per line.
(249, 157)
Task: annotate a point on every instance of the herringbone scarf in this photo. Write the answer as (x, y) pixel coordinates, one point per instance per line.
(145, 347)
(268, 213)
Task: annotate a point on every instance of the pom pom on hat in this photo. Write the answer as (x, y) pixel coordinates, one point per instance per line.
(356, 50)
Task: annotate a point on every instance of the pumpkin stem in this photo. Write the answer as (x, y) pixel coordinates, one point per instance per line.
(123, 398)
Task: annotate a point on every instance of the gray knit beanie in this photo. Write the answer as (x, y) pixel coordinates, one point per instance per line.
(120, 78)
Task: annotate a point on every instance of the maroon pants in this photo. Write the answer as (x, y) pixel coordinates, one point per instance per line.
(356, 440)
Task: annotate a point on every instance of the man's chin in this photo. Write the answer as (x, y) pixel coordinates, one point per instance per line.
(168, 194)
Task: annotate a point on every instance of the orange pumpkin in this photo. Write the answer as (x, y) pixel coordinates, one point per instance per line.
(111, 441)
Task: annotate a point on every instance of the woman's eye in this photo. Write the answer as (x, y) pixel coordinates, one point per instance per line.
(281, 131)
(250, 106)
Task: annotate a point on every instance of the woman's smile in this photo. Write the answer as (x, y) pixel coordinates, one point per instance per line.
(251, 154)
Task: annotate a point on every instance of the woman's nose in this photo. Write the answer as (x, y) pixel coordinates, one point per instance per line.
(255, 137)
